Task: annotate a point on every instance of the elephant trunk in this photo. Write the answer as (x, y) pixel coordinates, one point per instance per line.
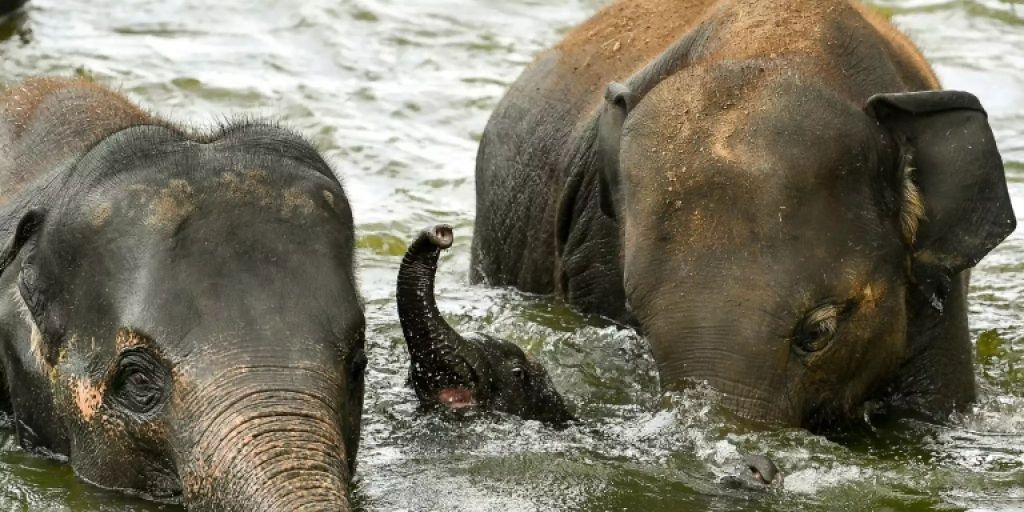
(750, 387)
(440, 372)
(427, 334)
(263, 448)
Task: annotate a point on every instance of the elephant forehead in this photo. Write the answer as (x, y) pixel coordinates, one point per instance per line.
(763, 160)
(167, 202)
(729, 215)
(745, 117)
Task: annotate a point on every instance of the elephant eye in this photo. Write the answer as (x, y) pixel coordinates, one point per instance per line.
(817, 330)
(140, 382)
(521, 374)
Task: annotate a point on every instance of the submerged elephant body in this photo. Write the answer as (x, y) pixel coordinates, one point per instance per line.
(180, 317)
(752, 185)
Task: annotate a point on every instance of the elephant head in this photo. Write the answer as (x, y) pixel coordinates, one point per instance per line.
(792, 247)
(457, 372)
(193, 308)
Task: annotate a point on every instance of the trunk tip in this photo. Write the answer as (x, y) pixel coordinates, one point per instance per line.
(440, 236)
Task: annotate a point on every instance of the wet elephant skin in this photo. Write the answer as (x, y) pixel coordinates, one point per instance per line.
(779, 196)
(180, 317)
(465, 373)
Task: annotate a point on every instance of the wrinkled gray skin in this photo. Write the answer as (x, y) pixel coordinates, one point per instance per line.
(475, 372)
(179, 316)
(751, 184)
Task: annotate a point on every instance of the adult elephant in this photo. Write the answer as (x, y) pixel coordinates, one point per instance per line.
(754, 185)
(180, 317)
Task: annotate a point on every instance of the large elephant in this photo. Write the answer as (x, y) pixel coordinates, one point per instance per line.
(753, 184)
(180, 317)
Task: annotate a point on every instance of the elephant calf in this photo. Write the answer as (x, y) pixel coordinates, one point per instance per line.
(179, 317)
(456, 372)
(774, 192)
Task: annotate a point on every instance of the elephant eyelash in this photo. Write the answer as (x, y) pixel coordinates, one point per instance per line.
(825, 315)
(820, 326)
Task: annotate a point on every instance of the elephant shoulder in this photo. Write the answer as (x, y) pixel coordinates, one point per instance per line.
(518, 178)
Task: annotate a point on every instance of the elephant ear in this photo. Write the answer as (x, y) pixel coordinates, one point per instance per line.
(24, 235)
(619, 100)
(26, 229)
(959, 175)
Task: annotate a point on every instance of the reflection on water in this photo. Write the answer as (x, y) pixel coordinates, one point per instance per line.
(396, 93)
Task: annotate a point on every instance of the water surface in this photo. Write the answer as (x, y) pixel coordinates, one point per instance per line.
(396, 93)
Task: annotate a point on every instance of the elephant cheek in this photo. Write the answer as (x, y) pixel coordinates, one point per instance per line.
(88, 397)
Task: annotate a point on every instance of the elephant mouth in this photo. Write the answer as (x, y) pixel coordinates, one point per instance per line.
(457, 398)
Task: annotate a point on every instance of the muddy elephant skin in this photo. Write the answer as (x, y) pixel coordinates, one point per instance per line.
(776, 193)
(180, 317)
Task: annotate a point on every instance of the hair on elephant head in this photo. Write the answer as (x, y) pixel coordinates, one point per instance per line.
(465, 372)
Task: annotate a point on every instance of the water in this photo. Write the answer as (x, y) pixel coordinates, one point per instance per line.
(396, 93)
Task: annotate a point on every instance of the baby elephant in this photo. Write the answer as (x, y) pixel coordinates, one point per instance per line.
(464, 373)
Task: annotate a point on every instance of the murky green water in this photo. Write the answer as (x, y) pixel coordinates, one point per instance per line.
(396, 92)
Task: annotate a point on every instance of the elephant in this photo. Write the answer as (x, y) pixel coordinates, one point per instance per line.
(9, 6)
(778, 196)
(180, 317)
(481, 372)
(468, 373)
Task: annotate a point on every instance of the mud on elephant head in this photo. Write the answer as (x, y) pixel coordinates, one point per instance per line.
(470, 372)
(799, 261)
(803, 294)
(181, 318)
(775, 193)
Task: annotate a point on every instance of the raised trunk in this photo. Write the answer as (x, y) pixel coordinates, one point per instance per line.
(427, 335)
(266, 450)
